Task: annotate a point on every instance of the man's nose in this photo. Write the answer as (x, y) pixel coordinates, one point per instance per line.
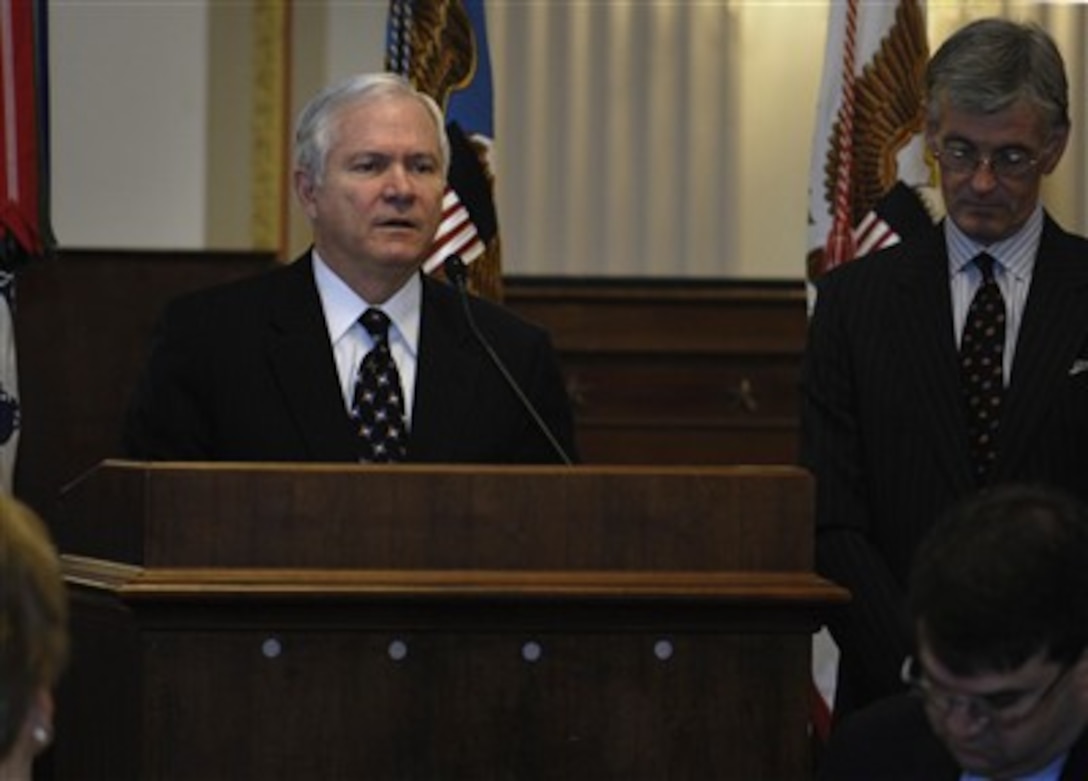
(983, 178)
(961, 719)
(397, 183)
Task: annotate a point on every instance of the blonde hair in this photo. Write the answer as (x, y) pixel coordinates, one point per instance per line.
(33, 615)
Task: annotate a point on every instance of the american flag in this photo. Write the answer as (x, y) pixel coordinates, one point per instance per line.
(441, 47)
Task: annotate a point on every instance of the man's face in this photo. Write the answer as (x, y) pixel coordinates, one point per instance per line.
(1006, 724)
(985, 205)
(378, 206)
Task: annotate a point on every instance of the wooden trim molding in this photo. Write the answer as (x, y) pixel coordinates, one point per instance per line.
(269, 128)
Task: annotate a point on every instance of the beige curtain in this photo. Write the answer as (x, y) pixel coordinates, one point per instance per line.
(615, 151)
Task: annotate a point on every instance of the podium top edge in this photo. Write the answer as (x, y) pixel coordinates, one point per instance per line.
(709, 470)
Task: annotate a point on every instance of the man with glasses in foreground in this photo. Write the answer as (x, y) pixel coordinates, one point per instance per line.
(998, 603)
(956, 359)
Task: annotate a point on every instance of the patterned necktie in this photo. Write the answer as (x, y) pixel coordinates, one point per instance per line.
(377, 404)
(981, 359)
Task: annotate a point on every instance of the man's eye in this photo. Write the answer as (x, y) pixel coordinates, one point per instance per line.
(1012, 156)
(1003, 701)
(959, 153)
(424, 167)
(367, 165)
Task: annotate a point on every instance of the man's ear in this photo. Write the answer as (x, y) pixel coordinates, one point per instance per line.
(306, 192)
(1053, 151)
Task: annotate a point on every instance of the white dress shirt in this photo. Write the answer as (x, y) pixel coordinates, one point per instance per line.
(350, 340)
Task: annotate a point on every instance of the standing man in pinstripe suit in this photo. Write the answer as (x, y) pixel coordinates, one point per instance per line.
(886, 426)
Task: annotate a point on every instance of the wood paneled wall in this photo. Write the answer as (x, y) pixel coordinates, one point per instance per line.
(660, 372)
(663, 372)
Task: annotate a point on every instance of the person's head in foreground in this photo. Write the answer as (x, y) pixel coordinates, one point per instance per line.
(998, 601)
(33, 637)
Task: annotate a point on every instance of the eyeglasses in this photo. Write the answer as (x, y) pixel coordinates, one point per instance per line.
(1009, 162)
(1003, 710)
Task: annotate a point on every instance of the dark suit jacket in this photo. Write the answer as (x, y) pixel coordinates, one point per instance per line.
(884, 430)
(245, 372)
(891, 740)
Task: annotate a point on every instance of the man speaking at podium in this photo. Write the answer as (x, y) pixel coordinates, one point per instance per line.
(351, 353)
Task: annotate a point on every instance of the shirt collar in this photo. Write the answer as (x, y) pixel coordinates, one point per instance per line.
(343, 306)
(1052, 772)
(1016, 254)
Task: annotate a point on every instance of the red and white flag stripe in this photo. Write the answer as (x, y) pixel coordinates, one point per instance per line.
(457, 235)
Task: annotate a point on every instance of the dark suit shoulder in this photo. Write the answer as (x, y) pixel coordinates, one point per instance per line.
(921, 251)
(878, 287)
(223, 317)
(1052, 231)
(261, 286)
(889, 740)
(1063, 254)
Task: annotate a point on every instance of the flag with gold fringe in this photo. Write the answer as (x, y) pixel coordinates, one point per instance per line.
(441, 47)
(869, 175)
(25, 230)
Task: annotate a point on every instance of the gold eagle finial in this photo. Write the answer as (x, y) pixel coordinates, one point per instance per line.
(444, 62)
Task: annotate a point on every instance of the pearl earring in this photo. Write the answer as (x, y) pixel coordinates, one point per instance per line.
(40, 734)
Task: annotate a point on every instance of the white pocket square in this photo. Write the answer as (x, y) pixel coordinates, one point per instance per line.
(1080, 366)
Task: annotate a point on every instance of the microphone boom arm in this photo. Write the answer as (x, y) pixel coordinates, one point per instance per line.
(455, 272)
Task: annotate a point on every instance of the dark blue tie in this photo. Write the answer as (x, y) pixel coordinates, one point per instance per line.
(378, 404)
(982, 349)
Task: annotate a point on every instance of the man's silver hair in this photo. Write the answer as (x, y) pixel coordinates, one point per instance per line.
(313, 130)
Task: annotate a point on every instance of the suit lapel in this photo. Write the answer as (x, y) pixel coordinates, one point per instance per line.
(301, 362)
(1054, 327)
(446, 375)
(929, 356)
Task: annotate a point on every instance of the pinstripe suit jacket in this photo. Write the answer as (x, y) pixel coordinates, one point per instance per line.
(884, 431)
(245, 372)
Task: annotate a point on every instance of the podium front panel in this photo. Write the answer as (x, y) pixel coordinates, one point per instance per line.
(412, 622)
(566, 690)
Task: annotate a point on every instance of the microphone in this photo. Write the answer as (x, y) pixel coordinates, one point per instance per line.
(456, 272)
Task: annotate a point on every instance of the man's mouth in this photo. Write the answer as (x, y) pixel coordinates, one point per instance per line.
(972, 757)
(397, 224)
(982, 203)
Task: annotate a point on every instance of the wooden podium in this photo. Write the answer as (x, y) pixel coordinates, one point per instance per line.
(313, 622)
